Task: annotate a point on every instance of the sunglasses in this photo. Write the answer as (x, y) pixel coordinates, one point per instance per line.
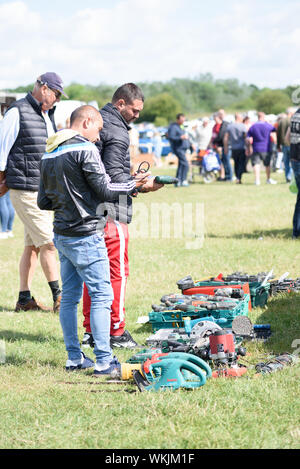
(56, 92)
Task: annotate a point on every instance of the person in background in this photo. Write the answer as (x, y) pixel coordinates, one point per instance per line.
(203, 134)
(283, 145)
(134, 139)
(7, 216)
(217, 143)
(248, 147)
(292, 138)
(157, 148)
(225, 157)
(259, 136)
(179, 142)
(23, 133)
(235, 136)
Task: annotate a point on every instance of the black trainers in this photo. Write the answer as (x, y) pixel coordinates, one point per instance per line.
(88, 340)
(122, 341)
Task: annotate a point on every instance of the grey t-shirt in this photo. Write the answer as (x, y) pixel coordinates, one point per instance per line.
(237, 132)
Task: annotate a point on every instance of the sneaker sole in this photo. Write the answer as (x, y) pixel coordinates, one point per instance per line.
(125, 345)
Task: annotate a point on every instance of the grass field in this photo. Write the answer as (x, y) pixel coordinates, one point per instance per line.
(247, 228)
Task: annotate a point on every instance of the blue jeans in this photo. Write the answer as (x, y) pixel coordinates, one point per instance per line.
(183, 166)
(227, 165)
(296, 217)
(286, 160)
(7, 213)
(84, 259)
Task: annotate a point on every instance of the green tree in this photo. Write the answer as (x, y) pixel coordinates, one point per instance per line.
(272, 101)
(162, 105)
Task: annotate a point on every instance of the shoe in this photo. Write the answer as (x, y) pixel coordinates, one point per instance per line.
(10, 234)
(177, 184)
(185, 184)
(88, 340)
(56, 304)
(31, 305)
(257, 183)
(271, 181)
(3, 235)
(82, 364)
(221, 179)
(113, 368)
(122, 341)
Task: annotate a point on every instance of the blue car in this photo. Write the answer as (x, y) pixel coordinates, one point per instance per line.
(146, 141)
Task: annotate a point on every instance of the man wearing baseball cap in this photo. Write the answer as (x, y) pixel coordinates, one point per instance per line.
(24, 130)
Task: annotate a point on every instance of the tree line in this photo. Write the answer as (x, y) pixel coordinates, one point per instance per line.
(193, 96)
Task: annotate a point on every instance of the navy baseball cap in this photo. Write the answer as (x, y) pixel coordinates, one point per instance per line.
(53, 81)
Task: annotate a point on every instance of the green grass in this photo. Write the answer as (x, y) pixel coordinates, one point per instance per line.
(247, 228)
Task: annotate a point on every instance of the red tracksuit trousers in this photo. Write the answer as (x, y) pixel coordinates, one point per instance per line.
(116, 239)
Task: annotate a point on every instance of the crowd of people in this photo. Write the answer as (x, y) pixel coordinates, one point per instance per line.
(83, 174)
(236, 143)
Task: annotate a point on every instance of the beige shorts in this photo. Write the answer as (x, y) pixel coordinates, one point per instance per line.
(38, 224)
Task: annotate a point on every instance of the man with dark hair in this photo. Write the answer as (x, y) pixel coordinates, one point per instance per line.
(179, 142)
(127, 103)
(24, 130)
(73, 183)
(129, 93)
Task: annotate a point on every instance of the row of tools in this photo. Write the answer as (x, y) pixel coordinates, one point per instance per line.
(201, 332)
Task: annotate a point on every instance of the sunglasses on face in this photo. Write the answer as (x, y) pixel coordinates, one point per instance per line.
(56, 92)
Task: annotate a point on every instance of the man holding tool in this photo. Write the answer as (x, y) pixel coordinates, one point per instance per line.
(127, 103)
(73, 184)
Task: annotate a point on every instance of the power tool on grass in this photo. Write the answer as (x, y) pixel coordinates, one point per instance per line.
(224, 355)
(276, 363)
(168, 371)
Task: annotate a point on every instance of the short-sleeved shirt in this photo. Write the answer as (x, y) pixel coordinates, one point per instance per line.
(260, 132)
(237, 132)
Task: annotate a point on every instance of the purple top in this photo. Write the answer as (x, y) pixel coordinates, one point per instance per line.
(260, 132)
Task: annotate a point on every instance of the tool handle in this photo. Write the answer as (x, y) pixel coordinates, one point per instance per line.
(190, 358)
(165, 180)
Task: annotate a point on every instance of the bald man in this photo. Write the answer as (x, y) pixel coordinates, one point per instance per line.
(73, 184)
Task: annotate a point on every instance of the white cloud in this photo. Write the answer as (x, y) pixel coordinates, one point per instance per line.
(138, 40)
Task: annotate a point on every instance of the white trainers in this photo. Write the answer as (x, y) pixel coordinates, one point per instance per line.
(257, 183)
(10, 234)
(3, 235)
(271, 181)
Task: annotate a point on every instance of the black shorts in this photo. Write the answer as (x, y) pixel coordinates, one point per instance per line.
(265, 157)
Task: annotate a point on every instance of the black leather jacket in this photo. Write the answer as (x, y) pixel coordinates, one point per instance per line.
(114, 150)
(74, 184)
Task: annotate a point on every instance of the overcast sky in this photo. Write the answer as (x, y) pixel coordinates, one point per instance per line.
(115, 41)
